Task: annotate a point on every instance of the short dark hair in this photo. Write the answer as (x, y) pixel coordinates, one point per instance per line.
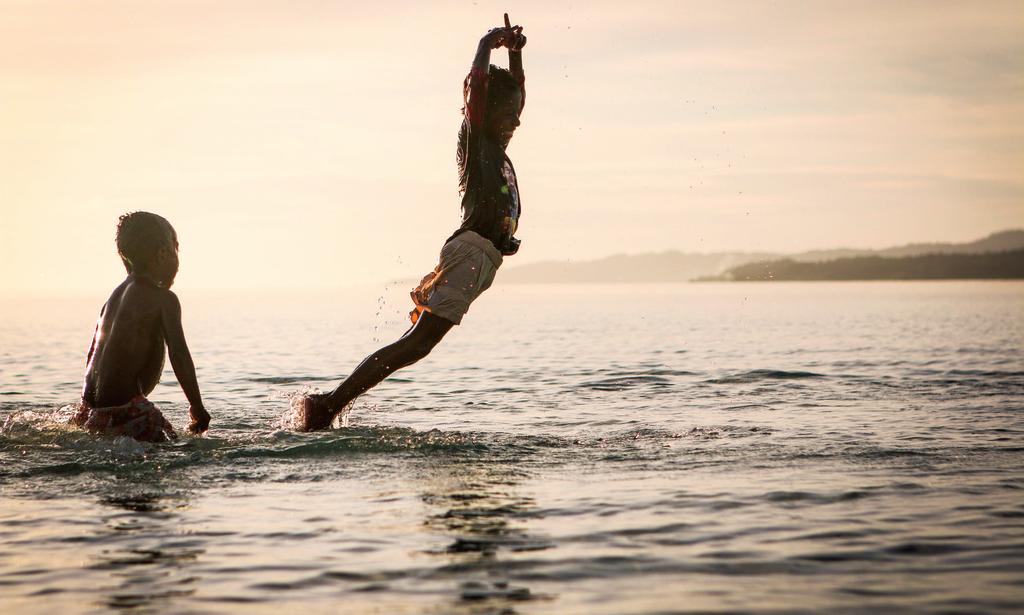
(139, 237)
(501, 85)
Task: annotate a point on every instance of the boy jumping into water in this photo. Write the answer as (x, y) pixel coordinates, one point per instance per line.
(494, 99)
(127, 352)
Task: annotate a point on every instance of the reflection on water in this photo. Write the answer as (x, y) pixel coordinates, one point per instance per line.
(483, 511)
(144, 555)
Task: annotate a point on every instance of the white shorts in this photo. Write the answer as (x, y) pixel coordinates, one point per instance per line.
(466, 269)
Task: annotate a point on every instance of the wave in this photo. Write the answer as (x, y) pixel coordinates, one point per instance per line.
(362, 440)
(619, 379)
(32, 445)
(656, 371)
(621, 383)
(756, 375)
(292, 379)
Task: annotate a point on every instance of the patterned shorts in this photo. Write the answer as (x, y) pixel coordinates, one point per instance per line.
(137, 419)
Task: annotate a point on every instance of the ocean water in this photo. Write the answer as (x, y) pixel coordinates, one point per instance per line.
(777, 447)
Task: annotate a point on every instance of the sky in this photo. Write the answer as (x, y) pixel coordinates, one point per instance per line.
(312, 144)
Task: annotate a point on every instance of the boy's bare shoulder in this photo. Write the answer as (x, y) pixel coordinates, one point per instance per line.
(164, 299)
(169, 307)
(169, 300)
(140, 296)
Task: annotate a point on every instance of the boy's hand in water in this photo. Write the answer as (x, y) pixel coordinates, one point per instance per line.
(200, 419)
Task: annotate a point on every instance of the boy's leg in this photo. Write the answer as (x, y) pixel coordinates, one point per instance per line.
(417, 343)
(319, 410)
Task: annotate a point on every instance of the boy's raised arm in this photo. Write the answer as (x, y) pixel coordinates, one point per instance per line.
(475, 88)
(515, 58)
(515, 65)
(181, 362)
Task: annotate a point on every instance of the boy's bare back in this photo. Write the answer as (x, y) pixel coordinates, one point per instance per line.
(127, 354)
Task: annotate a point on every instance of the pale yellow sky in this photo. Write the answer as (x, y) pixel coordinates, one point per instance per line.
(311, 144)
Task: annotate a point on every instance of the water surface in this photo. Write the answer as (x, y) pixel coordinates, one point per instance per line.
(590, 449)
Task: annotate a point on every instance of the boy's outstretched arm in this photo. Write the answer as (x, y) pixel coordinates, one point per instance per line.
(181, 362)
(476, 84)
(515, 58)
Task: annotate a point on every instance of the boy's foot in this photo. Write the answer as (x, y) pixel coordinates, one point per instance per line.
(313, 413)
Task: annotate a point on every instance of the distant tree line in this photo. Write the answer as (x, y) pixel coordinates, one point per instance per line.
(991, 265)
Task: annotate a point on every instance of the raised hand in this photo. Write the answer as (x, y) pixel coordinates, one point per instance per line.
(518, 38)
(499, 37)
(508, 36)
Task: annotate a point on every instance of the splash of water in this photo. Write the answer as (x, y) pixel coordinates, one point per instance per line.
(291, 418)
(54, 430)
(30, 422)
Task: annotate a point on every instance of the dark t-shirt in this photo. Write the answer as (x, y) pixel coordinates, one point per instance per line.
(490, 192)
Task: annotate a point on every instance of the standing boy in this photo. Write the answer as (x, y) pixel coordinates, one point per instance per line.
(494, 98)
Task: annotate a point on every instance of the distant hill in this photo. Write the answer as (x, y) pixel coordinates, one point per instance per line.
(987, 265)
(622, 268)
(1002, 241)
(675, 266)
